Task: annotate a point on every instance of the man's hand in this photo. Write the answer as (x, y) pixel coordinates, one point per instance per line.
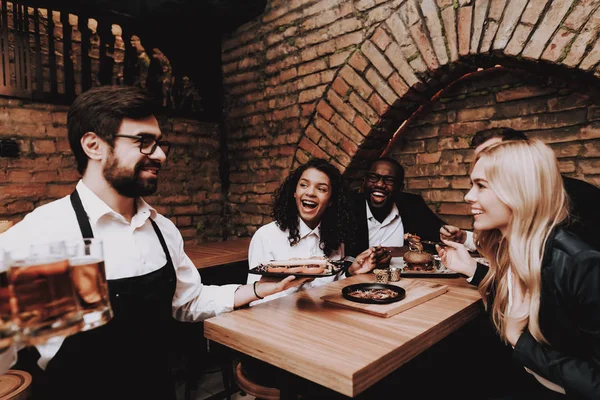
(453, 234)
(383, 256)
(269, 285)
(365, 262)
(457, 258)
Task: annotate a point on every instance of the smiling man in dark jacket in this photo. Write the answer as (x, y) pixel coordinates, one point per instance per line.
(384, 213)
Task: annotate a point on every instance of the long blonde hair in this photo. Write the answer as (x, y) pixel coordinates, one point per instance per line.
(525, 176)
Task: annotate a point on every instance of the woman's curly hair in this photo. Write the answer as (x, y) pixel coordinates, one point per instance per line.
(337, 223)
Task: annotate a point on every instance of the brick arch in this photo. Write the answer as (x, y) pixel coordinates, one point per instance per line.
(423, 46)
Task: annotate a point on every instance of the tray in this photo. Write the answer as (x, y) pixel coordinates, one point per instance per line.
(368, 286)
(335, 268)
(446, 273)
(417, 292)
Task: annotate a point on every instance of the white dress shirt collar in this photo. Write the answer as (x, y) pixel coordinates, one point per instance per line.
(394, 213)
(96, 208)
(304, 230)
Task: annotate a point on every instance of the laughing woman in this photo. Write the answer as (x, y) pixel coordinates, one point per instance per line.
(542, 287)
(312, 218)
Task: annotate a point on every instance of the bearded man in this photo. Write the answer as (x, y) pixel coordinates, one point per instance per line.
(385, 213)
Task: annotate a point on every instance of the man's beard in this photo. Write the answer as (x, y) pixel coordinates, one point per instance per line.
(129, 183)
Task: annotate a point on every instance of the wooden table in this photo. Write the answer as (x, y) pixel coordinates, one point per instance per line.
(344, 350)
(213, 254)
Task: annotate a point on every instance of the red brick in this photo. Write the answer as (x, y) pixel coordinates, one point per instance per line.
(338, 58)
(312, 148)
(356, 82)
(341, 87)
(522, 92)
(465, 15)
(376, 58)
(380, 38)
(518, 40)
(450, 25)
(358, 62)
(398, 84)
(341, 106)
(348, 146)
(455, 209)
(428, 158)
(425, 48)
(378, 104)
(324, 110)
(562, 38)
(381, 86)
(552, 19)
(361, 125)
(347, 129)
(363, 108)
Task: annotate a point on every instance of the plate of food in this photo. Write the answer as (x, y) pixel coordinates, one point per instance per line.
(373, 293)
(305, 267)
(420, 264)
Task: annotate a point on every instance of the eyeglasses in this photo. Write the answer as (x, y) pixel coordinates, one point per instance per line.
(387, 179)
(148, 144)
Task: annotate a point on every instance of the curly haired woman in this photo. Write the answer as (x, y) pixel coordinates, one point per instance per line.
(542, 287)
(312, 218)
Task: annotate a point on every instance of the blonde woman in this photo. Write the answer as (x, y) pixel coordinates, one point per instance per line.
(542, 287)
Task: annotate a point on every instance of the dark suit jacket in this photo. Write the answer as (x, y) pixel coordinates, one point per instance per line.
(585, 210)
(417, 218)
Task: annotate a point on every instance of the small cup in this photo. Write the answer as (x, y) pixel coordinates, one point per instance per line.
(395, 274)
(381, 275)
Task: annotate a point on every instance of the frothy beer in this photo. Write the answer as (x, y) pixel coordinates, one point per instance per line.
(46, 302)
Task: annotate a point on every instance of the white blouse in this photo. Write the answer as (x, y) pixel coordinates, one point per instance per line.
(271, 243)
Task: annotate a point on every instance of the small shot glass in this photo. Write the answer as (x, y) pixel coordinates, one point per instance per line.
(381, 275)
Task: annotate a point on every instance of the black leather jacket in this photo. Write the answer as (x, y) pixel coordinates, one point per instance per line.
(569, 317)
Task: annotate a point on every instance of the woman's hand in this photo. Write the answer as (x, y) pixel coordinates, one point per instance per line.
(269, 285)
(453, 234)
(457, 258)
(364, 262)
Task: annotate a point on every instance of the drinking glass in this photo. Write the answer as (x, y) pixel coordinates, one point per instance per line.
(86, 258)
(46, 305)
(8, 322)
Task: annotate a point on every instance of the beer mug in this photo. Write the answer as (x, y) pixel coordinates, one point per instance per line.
(86, 259)
(8, 322)
(46, 305)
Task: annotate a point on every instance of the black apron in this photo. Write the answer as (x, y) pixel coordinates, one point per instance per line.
(128, 357)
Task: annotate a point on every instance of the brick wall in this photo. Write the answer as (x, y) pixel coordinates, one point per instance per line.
(434, 149)
(189, 189)
(336, 79)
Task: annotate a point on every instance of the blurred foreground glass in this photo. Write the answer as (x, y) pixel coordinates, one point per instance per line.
(46, 305)
(86, 258)
(8, 323)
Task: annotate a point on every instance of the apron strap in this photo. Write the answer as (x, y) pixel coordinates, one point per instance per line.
(86, 228)
(161, 239)
(82, 217)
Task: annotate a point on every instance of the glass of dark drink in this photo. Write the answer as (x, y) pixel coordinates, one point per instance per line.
(86, 259)
(40, 278)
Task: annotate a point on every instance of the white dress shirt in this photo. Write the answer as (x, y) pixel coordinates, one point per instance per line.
(271, 243)
(389, 233)
(130, 249)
